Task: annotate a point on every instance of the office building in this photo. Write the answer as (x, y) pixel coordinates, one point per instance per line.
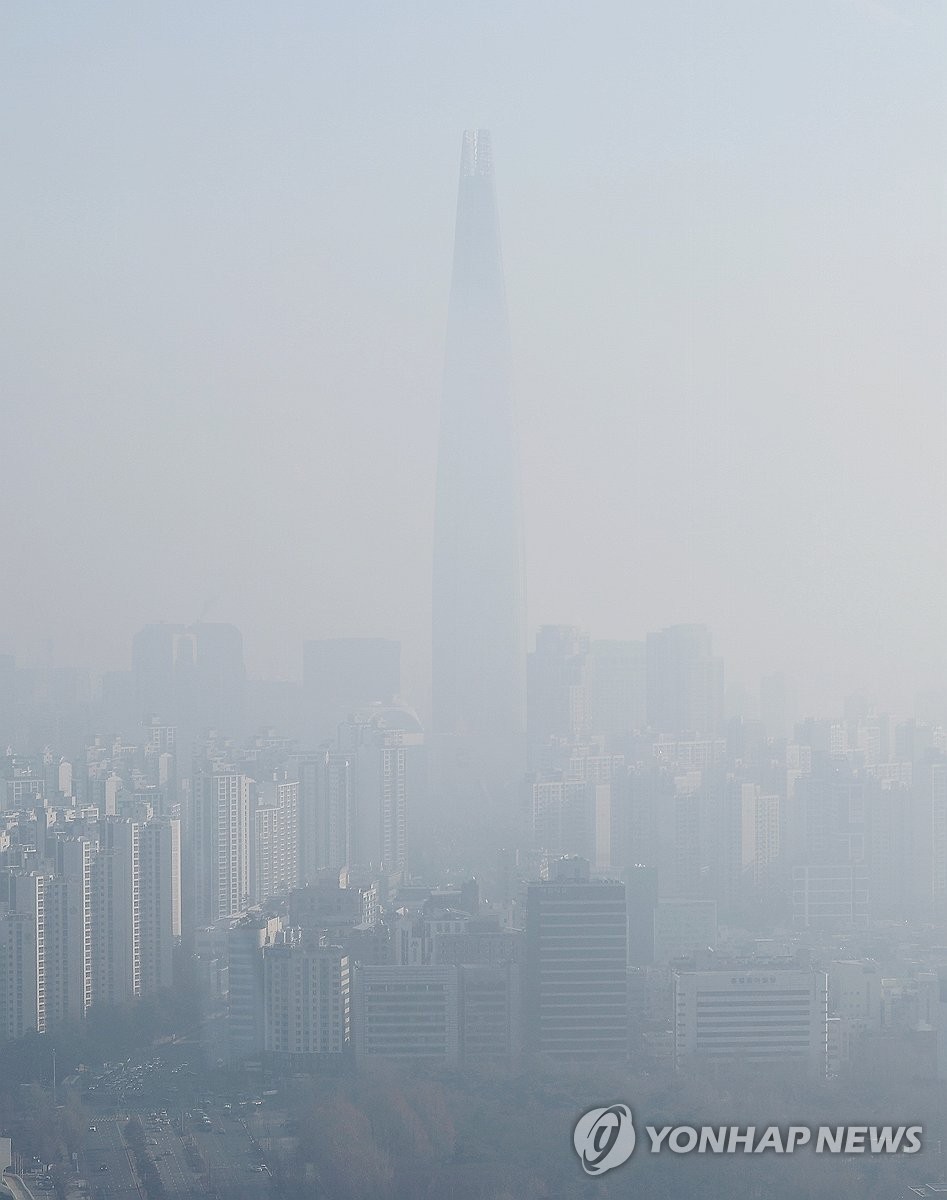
(408, 1014)
(752, 1015)
(490, 991)
(246, 940)
(576, 965)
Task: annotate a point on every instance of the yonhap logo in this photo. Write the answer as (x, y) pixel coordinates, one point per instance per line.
(604, 1138)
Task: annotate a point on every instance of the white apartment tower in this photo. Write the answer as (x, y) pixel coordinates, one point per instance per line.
(275, 843)
(160, 853)
(116, 912)
(325, 812)
(383, 744)
(220, 845)
(22, 955)
(69, 930)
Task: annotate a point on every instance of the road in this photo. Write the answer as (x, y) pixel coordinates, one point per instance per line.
(224, 1157)
(18, 1187)
(106, 1162)
(171, 1160)
(232, 1161)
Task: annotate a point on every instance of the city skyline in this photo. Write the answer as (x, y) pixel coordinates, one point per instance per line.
(725, 267)
(473, 668)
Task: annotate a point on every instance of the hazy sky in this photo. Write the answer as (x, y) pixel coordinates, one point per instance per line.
(226, 239)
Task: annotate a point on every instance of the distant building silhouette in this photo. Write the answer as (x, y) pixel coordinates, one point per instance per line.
(192, 676)
(617, 682)
(479, 640)
(340, 674)
(385, 747)
(685, 683)
(557, 674)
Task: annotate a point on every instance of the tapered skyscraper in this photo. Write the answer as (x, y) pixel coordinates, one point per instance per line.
(479, 642)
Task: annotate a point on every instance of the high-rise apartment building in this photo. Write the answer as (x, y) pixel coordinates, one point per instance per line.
(22, 954)
(69, 930)
(479, 639)
(274, 846)
(19, 1002)
(326, 812)
(385, 748)
(563, 817)
(116, 912)
(160, 855)
(558, 693)
(219, 834)
(684, 683)
(938, 839)
(97, 924)
(617, 683)
(306, 1001)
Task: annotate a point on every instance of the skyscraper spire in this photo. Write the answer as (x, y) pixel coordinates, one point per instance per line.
(479, 643)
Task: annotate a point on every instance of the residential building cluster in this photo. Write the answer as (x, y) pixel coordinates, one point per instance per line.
(682, 882)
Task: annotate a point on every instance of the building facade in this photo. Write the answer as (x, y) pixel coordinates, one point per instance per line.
(752, 1014)
(576, 966)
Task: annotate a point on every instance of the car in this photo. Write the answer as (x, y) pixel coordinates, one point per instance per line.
(92, 1128)
(103, 1166)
